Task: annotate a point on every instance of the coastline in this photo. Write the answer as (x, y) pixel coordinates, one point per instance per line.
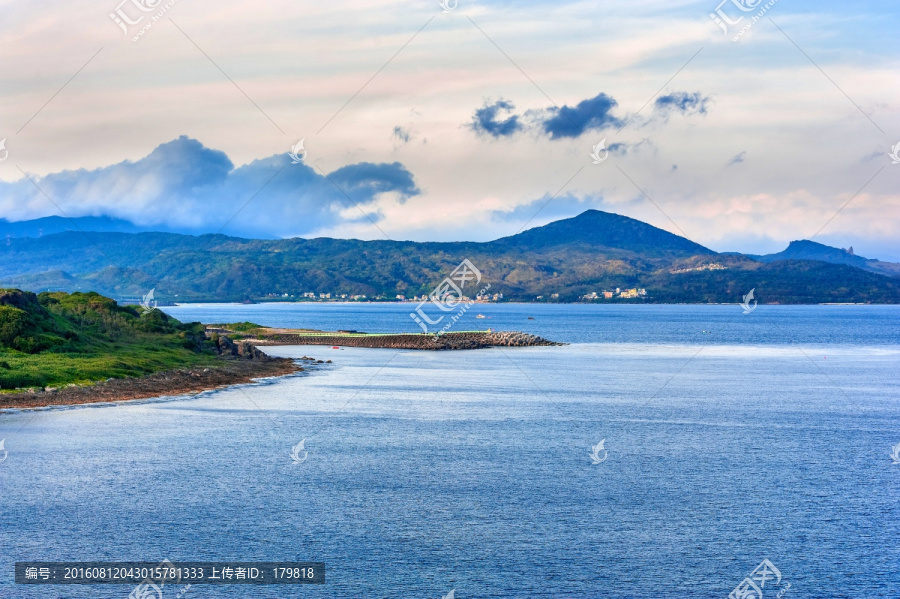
(160, 384)
(243, 362)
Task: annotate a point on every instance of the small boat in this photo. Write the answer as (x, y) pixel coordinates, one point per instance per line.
(480, 316)
(335, 347)
(531, 318)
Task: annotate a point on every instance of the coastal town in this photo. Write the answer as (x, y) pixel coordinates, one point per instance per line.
(346, 297)
(617, 293)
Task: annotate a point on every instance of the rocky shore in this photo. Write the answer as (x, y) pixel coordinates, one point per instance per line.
(240, 363)
(447, 341)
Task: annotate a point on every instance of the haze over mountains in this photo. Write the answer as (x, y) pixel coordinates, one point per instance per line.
(561, 261)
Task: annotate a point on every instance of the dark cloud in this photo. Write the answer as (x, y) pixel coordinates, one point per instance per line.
(594, 113)
(683, 102)
(498, 119)
(368, 179)
(184, 186)
(486, 120)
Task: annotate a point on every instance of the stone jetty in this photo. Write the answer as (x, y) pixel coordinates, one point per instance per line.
(447, 341)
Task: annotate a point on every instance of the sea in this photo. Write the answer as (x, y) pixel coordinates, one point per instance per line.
(664, 451)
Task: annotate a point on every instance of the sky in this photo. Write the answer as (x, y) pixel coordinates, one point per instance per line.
(467, 121)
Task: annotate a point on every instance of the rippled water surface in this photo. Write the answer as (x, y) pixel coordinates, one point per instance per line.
(729, 438)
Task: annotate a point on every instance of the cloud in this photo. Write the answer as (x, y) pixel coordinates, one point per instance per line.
(623, 149)
(184, 186)
(594, 113)
(367, 179)
(683, 102)
(486, 121)
(737, 159)
(401, 134)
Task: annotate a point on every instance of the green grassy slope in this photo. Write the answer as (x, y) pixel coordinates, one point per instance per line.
(55, 339)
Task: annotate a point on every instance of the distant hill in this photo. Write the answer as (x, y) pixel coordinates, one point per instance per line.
(56, 224)
(50, 225)
(594, 228)
(561, 261)
(810, 250)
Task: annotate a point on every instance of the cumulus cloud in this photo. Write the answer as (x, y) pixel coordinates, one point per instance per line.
(365, 180)
(185, 186)
(591, 114)
(498, 119)
(487, 121)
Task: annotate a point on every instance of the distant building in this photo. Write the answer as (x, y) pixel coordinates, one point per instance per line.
(712, 266)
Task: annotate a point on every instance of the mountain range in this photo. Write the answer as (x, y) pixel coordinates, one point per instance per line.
(562, 261)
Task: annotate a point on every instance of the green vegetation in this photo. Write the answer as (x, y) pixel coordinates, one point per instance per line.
(562, 261)
(241, 327)
(55, 339)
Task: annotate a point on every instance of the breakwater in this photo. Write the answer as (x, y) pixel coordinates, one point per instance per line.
(447, 341)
